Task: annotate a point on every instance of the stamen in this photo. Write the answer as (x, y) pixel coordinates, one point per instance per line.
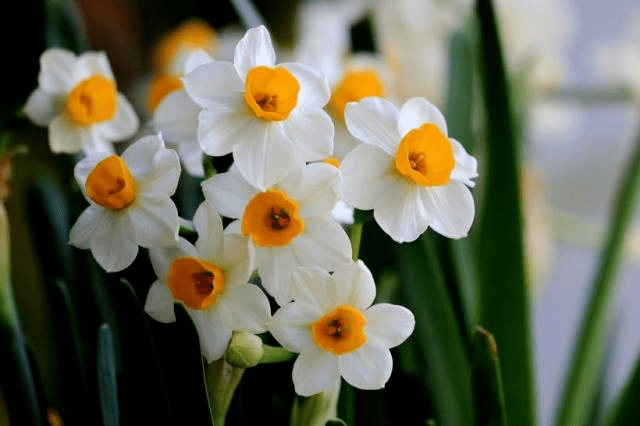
(195, 282)
(279, 219)
(340, 331)
(271, 219)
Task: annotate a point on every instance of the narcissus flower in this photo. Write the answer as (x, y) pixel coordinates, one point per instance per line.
(78, 100)
(267, 115)
(210, 280)
(337, 332)
(130, 202)
(408, 170)
(288, 224)
(172, 50)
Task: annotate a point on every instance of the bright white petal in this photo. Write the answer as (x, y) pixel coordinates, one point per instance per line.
(82, 231)
(92, 63)
(95, 142)
(162, 257)
(275, 266)
(389, 324)
(176, 117)
(310, 286)
(123, 125)
(366, 175)
(139, 155)
(374, 121)
(353, 285)
(155, 221)
(314, 88)
(208, 225)
(41, 107)
(417, 111)
(400, 211)
(315, 188)
(237, 260)
(451, 209)
(369, 367)
(195, 59)
(221, 128)
(161, 179)
(323, 243)
(113, 244)
(229, 192)
(56, 68)
(159, 303)
(252, 50)
(311, 131)
(191, 155)
(86, 166)
(466, 167)
(291, 326)
(213, 83)
(249, 308)
(214, 330)
(64, 136)
(315, 371)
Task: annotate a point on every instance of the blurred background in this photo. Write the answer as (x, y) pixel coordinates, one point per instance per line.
(575, 71)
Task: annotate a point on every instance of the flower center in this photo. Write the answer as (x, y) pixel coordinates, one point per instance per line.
(355, 85)
(92, 100)
(425, 156)
(271, 219)
(340, 331)
(161, 86)
(195, 282)
(111, 185)
(271, 93)
(333, 161)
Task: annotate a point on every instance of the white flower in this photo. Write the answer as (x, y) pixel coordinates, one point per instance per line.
(267, 116)
(77, 99)
(210, 281)
(288, 224)
(337, 332)
(407, 170)
(130, 202)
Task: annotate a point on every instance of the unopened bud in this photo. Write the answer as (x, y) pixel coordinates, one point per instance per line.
(245, 350)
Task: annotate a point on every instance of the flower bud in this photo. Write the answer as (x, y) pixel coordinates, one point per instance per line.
(245, 350)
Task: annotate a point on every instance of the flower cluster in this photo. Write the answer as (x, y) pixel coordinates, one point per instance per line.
(278, 195)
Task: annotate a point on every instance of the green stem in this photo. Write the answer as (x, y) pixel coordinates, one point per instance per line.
(584, 376)
(222, 379)
(355, 235)
(274, 354)
(316, 410)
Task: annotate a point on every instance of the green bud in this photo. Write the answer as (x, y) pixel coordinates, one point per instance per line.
(245, 350)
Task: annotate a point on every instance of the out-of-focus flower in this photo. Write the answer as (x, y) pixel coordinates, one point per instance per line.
(172, 50)
(407, 170)
(210, 280)
(337, 332)
(270, 117)
(78, 100)
(130, 202)
(5, 171)
(287, 225)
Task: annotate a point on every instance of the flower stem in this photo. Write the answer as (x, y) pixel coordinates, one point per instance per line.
(355, 235)
(222, 379)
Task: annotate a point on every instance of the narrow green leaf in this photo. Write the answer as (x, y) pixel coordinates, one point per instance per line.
(625, 411)
(107, 380)
(487, 381)
(584, 376)
(437, 333)
(65, 26)
(503, 293)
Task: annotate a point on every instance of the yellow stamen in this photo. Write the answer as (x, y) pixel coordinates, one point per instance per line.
(191, 35)
(161, 86)
(271, 219)
(340, 331)
(111, 185)
(271, 93)
(333, 161)
(195, 282)
(355, 85)
(425, 156)
(92, 100)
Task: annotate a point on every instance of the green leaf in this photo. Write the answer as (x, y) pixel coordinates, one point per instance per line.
(437, 333)
(585, 373)
(625, 411)
(65, 26)
(504, 297)
(107, 380)
(487, 381)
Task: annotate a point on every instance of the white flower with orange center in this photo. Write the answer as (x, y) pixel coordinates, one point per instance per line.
(287, 225)
(130, 202)
(210, 280)
(270, 117)
(78, 100)
(408, 170)
(337, 331)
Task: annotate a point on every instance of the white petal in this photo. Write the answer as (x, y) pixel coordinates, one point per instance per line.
(213, 83)
(252, 50)
(214, 330)
(366, 175)
(159, 303)
(208, 225)
(323, 243)
(113, 245)
(353, 285)
(123, 125)
(86, 166)
(249, 307)
(311, 131)
(237, 260)
(195, 59)
(314, 88)
(64, 136)
(275, 266)
(310, 286)
(221, 128)
(315, 188)
(162, 257)
(369, 367)
(95, 142)
(155, 221)
(41, 107)
(161, 179)
(400, 211)
(417, 111)
(267, 159)
(92, 63)
(451, 209)
(176, 117)
(374, 121)
(139, 155)
(82, 231)
(56, 68)
(389, 324)
(314, 371)
(466, 167)
(191, 156)
(229, 192)
(291, 326)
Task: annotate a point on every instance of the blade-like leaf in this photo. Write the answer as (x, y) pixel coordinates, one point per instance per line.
(487, 381)
(107, 377)
(625, 410)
